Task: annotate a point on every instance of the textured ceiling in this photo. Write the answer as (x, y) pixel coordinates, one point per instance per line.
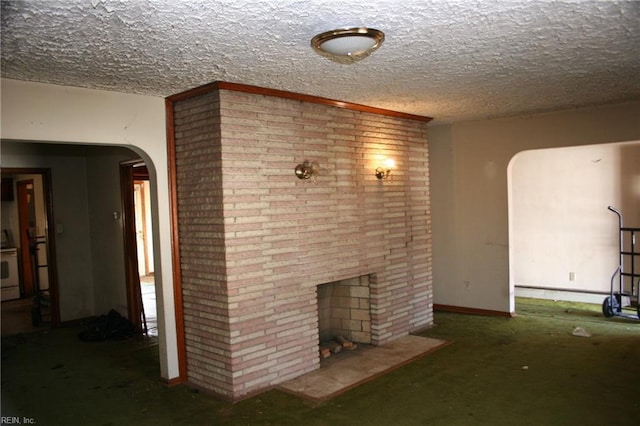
(451, 60)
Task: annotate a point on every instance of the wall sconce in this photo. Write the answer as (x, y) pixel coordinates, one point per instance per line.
(306, 170)
(385, 172)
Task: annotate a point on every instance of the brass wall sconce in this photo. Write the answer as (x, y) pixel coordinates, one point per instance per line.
(306, 170)
(385, 172)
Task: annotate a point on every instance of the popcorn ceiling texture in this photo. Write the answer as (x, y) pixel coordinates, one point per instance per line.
(451, 60)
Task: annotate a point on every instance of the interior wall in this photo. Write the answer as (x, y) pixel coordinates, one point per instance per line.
(107, 241)
(564, 237)
(44, 112)
(468, 163)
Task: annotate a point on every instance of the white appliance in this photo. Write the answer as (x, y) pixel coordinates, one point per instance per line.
(9, 274)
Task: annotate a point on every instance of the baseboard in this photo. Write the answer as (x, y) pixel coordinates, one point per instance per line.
(560, 294)
(172, 382)
(76, 322)
(471, 311)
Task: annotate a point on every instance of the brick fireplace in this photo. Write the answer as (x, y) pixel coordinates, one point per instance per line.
(255, 244)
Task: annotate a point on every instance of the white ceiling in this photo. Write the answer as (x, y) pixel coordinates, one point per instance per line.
(451, 60)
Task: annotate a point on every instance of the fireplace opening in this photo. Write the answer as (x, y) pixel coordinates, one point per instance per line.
(344, 315)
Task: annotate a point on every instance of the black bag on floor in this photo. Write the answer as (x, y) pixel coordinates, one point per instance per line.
(112, 326)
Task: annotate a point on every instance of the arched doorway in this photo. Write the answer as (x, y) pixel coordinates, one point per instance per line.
(563, 241)
(85, 221)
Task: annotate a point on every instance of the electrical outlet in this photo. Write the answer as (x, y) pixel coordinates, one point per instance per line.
(572, 276)
(467, 285)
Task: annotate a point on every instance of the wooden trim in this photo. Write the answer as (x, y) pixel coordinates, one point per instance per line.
(54, 291)
(218, 85)
(132, 275)
(140, 171)
(25, 189)
(78, 322)
(472, 311)
(172, 382)
(188, 94)
(175, 244)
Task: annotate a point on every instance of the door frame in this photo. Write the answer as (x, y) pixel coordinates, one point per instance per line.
(52, 270)
(26, 265)
(131, 171)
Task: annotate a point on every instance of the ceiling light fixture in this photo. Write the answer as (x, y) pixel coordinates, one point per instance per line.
(349, 45)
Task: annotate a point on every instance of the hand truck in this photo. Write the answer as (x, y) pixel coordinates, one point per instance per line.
(623, 289)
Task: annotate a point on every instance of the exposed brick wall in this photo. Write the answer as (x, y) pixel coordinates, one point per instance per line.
(201, 231)
(256, 241)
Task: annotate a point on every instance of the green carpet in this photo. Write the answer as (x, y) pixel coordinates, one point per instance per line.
(527, 370)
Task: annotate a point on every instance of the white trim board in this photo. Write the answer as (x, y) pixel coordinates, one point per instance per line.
(551, 294)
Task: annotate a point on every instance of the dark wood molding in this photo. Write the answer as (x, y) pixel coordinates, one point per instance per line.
(140, 172)
(171, 382)
(175, 245)
(218, 85)
(54, 291)
(132, 275)
(25, 197)
(472, 311)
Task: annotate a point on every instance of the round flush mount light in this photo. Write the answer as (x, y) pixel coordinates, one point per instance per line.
(348, 45)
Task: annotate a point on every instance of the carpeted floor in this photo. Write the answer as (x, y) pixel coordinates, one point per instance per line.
(527, 370)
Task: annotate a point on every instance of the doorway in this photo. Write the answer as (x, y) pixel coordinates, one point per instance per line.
(27, 220)
(28, 230)
(138, 243)
(86, 221)
(563, 241)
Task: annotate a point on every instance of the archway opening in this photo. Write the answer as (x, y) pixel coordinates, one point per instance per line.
(563, 241)
(85, 223)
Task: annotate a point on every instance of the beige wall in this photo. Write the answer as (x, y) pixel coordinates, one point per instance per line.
(50, 113)
(469, 170)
